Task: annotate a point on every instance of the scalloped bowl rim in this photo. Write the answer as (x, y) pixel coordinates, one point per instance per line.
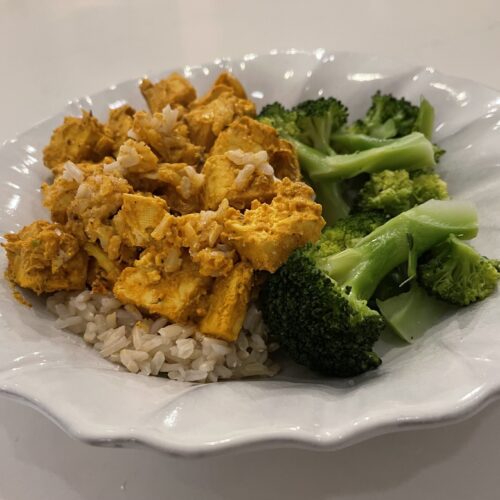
(321, 440)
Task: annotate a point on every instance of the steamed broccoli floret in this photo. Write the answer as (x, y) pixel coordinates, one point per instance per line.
(456, 273)
(389, 191)
(345, 233)
(326, 172)
(394, 191)
(317, 119)
(283, 120)
(387, 117)
(360, 136)
(428, 186)
(316, 304)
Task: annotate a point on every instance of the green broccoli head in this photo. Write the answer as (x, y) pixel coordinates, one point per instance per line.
(317, 321)
(456, 273)
(394, 191)
(282, 119)
(387, 117)
(317, 119)
(345, 233)
(428, 186)
(390, 191)
(316, 304)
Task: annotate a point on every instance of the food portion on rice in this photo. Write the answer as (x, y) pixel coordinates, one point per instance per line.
(164, 223)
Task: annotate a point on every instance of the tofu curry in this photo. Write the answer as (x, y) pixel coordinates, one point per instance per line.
(180, 210)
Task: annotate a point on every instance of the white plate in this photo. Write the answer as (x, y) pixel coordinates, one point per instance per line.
(447, 375)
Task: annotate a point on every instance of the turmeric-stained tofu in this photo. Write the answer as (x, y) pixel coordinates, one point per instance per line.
(179, 183)
(228, 304)
(194, 231)
(108, 269)
(239, 177)
(134, 157)
(45, 258)
(175, 295)
(166, 136)
(250, 135)
(97, 199)
(268, 233)
(138, 217)
(209, 116)
(174, 90)
(229, 80)
(58, 196)
(214, 262)
(120, 121)
(78, 139)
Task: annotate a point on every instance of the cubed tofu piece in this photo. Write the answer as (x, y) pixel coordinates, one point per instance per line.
(228, 304)
(174, 90)
(136, 157)
(239, 183)
(108, 268)
(179, 183)
(209, 116)
(138, 217)
(45, 258)
(168, 139)
(194, 231)
(251, 135)
(176, 295)
(214, 262)
(229, 80)
(77, 140)
(58, 196)
(267, 234)
(97, 199)
(120, 121)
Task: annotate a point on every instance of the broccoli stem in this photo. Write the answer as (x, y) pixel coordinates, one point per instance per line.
(329, 196)
(315, 130)
(425, 119)
(411, 314)
(362, 267)
(412, 152)
(347, 143)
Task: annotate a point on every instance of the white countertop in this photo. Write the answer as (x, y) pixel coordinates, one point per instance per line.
(54, 50)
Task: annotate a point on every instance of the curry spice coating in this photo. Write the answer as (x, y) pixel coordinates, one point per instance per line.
(176, 210)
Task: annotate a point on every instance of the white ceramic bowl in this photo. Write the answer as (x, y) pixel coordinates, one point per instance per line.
(447, 375)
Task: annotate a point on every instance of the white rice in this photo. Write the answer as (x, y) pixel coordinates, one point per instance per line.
(71, 172)
(250, 163)
(170, 117)
(133, 135)
(244, 177)
(151, 346)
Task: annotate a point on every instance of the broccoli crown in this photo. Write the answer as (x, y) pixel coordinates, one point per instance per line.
(428, 186)
(456, 273)
(394, 191)
(317, 321)
(283, 120)
(388, 117)
(346, 232)
(390, 191)
(317, 119)
(316, 304)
